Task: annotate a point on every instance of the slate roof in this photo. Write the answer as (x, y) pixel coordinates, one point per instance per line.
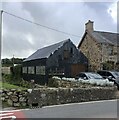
(106, 37)
(46, 51)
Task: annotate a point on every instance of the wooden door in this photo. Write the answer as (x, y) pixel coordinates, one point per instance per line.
(77, 68)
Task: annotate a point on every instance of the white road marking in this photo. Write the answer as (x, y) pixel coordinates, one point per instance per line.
(6, 114)
(6, 117)
(14, 110)
(9, 114)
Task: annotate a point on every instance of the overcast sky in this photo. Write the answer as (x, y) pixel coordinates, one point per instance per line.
(21, 38)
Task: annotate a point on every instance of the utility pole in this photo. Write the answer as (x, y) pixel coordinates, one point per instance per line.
(1, 12)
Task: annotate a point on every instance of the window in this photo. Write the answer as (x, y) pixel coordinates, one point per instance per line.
(81, 75)
(71, 50)
(56, 71)
(109, 74)
(66, 54)
(59, 58)
(40, 70)
(31, 70)
(24, 70)
(37, 69)
(110, 50)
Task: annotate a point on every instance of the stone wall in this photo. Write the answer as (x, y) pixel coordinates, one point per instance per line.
(53, 96)
(14, 97)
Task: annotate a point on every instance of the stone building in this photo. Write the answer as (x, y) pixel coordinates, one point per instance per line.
(99, 47)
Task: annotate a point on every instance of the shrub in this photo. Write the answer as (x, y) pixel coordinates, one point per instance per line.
(53, 83)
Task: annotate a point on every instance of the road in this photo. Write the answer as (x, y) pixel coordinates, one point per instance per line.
(98, 109)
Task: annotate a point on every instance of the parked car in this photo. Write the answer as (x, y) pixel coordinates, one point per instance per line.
(117, 82)
(89, 75)
(110, 75)
(93, 78)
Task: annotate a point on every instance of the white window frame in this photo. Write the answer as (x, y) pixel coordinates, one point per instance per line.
(31, 70)
(24, 70)
(40, 70)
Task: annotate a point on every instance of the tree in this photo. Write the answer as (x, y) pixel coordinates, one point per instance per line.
(9, 62)
(6, 62)
(16, 74)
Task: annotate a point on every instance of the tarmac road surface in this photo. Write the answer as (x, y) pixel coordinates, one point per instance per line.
(97, 109)
(100, 109)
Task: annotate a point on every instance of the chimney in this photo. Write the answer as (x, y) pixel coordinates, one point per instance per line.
(89, 26)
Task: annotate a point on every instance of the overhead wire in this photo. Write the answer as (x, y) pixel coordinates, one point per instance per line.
(40, 24)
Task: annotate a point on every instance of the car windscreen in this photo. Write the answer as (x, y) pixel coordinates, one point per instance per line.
(115, 74)
(94, 76)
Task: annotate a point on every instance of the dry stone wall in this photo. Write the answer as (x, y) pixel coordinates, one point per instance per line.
(53, 96)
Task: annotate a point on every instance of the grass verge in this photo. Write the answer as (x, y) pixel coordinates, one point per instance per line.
(6, 85)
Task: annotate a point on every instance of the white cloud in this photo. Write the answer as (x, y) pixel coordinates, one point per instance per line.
(19, 35)
(29, 38)
(112, 10)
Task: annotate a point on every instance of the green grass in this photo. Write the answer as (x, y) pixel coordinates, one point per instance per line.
(6, 85)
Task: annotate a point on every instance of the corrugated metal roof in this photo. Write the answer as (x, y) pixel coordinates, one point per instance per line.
(46, 51)
(106, 37)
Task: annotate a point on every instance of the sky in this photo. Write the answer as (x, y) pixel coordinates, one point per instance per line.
(21, 38)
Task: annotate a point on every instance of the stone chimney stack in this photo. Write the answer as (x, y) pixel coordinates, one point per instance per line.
(89, 26)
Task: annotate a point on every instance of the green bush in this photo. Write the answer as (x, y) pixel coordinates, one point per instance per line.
(26, 84)
(14, 77)
(52, 83)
